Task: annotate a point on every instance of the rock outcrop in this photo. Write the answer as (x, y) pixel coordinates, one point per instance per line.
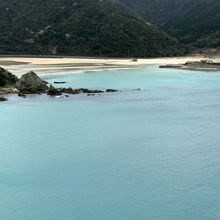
(3, 99)
(112, 90)
(7, 79)
(81, 90)
(30, 83)
(53, 91)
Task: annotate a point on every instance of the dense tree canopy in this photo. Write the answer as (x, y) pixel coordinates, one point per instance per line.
(194, 22)
(79, 27)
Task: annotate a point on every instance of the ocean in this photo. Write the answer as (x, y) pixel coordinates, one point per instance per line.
(151, 151)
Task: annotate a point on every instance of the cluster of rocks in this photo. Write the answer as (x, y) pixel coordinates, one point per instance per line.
(52, 91)
(3, 99)
(30, 83)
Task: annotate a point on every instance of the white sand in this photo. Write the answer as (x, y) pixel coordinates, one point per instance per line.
(55, 61)
(61, 65)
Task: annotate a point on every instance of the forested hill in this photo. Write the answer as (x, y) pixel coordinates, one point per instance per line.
(198, 25)
(155, 11)
(80, 28)
(193, 22)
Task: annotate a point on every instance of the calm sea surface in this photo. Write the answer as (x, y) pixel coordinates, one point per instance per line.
(135, 155)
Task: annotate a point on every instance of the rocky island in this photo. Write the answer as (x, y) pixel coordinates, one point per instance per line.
(30, 83)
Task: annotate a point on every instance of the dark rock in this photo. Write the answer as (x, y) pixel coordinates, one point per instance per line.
(7, 78)
(83, 90)
(59, 82)
(30, 83)
(22, 95)
(53, 91)
(67, 96)
(90, 94)
(112, 90)
(69, 90)
(3, 99)
(97, 91)
(135, 60)
(78, 91)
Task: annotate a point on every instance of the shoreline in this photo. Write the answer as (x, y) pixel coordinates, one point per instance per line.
(63, 65)
(21, 66)
(204, 65)
(35, 60)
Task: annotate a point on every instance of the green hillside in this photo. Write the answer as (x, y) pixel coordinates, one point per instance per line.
(80, 28)
(195, 23)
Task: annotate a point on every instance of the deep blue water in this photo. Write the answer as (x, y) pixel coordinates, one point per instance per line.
(135, 155)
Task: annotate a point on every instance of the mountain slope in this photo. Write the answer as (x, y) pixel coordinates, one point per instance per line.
(79, 27)
(157, 12)
(199, 26)
(196, 23)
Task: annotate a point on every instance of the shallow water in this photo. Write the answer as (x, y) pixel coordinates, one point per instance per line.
(151, 154)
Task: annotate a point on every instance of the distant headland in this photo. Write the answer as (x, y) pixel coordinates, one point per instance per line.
(202, 65)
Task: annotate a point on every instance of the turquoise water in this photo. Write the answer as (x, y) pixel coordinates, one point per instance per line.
(151, 154)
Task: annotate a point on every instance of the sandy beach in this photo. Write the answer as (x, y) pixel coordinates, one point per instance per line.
(42, 66)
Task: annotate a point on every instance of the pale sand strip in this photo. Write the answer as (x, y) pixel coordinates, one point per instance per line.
(61, 65)
(57, 61)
